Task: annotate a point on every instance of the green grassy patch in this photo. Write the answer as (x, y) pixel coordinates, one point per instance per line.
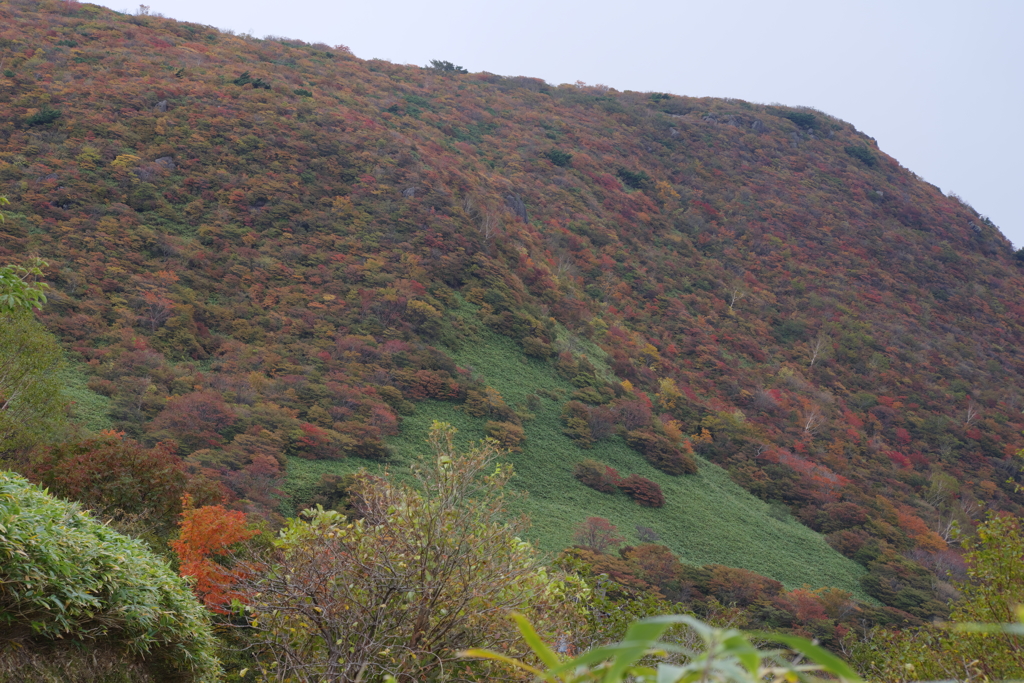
(88, 408)
(707, 518)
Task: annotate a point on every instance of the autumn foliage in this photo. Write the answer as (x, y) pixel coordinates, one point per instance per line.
(258, 273)
(204, 545)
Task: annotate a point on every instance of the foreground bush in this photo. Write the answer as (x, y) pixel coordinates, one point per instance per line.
(994, 595)
(709, 655)
(423, 573)
(66, 576)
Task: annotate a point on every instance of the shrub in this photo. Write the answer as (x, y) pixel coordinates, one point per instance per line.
(442, 66)
(247, 79)
(661, 452)
(121, 479)
(489, 403)
(643, 491)
(302, 92)
(637, 180)
(862, 154)
(596, 475)
(537, 347)
(558, 157)
(66, 576)
(43, 117)
(509, 435)
(577, 424)
(654, 563)
(800, 118)
(732, 585)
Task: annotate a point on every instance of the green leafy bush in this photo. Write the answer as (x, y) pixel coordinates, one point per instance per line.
(637, 180)
(44, 116)
(247, 79)
(862, 154)
(558, 157)
(67, 576)
(800, 118)
(445, 67)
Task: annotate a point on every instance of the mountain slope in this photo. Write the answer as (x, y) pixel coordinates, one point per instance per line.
(264, 250)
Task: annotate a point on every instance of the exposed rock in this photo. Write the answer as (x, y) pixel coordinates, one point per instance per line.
(517, 206)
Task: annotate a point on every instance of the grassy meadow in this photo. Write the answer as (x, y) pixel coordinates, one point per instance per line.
(706, 519)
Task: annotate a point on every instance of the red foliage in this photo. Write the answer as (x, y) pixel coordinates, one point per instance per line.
(195, 419)
(116, 477)
(206, 533)
(654, 563)
(804, 604)
(732, 585)
(597, 534)
(643, 491)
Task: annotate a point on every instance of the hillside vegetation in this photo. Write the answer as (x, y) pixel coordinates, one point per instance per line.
(282, 261)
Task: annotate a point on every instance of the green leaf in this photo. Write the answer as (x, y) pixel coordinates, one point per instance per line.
(543, 652)
(487, 654)
(817, 654)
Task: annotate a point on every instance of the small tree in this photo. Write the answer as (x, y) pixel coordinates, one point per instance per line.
(596, 475)
(208, 533)
(597, 534)
(446, 67)
(32, 406)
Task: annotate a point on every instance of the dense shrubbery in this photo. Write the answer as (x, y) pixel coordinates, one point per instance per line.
(67, 576)
(119, 479)
(661, 452)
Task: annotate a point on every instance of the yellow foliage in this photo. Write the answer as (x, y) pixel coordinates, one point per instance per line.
(668, 394)
(673, 430)
(125, 161)
(89, 157)
(665, 191)
(703, 437)
(424, 309)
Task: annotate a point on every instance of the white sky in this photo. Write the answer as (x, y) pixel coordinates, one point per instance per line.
(939, 83)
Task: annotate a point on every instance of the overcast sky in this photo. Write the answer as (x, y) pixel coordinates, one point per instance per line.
(939, 83)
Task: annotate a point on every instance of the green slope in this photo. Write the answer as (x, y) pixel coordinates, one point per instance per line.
(707, 518)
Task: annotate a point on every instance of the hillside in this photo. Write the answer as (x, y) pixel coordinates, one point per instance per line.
(290, 260)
